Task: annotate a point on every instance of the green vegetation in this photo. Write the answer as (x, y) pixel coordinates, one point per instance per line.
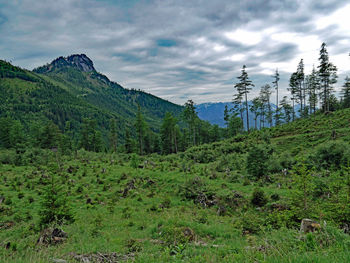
(201, 205)
(63, 104)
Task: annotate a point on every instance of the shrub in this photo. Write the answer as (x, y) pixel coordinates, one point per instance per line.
(258, 197)
(257, 161)
(331, 155)
(134, 161)
(54, 206)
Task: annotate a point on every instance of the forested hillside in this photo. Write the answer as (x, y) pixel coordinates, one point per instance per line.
(67, 86)
(67, 104)
(77, 74)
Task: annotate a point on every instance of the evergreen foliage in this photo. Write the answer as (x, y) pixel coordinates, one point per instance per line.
(257, 161)
(54, 206)
(243, 87)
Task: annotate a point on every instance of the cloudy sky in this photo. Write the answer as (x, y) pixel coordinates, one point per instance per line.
(179, 49)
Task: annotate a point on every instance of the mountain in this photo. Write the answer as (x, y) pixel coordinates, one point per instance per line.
(79, 77)
(214, 113)
(70, 89)
(80, 62)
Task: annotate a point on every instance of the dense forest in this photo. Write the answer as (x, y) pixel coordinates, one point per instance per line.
(93, 172)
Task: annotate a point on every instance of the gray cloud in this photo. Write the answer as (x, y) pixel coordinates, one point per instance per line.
(174, 49)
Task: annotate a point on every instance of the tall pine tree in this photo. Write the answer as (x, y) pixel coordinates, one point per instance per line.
(243, 88)
(275, 84)
(346, 93)
(328, 76)
(140, 130)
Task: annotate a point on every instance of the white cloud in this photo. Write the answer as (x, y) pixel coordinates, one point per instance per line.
(211, 41)
(245, 37)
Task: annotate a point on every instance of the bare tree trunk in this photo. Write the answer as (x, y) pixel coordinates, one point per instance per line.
(246, 107)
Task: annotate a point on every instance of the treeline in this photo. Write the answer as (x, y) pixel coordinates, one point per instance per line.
(176, 134)
(309, 93)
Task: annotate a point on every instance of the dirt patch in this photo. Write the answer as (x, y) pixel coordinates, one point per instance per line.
(101, 257)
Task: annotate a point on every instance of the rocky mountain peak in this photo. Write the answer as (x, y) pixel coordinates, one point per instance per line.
(82, 62)
(79, 61)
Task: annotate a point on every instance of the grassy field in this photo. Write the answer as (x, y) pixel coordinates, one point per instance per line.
(203, 205)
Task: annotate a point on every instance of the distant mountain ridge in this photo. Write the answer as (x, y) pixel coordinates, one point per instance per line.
(213, 112)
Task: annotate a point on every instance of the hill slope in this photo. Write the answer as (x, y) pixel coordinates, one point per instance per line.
(77, 74)
(70, 89)
(204, 205)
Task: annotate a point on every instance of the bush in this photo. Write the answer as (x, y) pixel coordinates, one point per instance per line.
(258, 197)
(54, 206)
(134, 161)
(331, 155)
(257, 160)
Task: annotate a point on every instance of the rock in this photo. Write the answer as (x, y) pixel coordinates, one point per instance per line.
(308, 225)
(70, 169)
(78, 61)
(82, 62)
(2, 199)
(150, 182)
(129, 186)
(346, 228)
(189, 233)
(52, 236)
(7, 225)
(221, 211)
(334, 135)
(8, 245)
(102, 257)
(279, 207)
(58, 260)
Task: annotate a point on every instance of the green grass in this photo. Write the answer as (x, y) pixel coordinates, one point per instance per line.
(148, 222)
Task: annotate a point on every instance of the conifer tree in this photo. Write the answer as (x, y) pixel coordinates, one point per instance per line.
(190, 117)
(312, 86)
(243, 87)
(113, 134)
(168, 132)
(300, 78)
(140, 130)
(275, 83)
(226, 119)
(287, 109)
(255, 108)
(90, 137)
(327, 73)
(67, 137)
(50, 136)
(265, 94)
(16, 134)
(237, 102)
(346, 93)
(148, 137)
(235, 125)
(5, 127)
(128, 141)
(54, 206)
(293, 88)
(226, 115)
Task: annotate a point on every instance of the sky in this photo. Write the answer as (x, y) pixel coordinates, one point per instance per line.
(180, 49)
